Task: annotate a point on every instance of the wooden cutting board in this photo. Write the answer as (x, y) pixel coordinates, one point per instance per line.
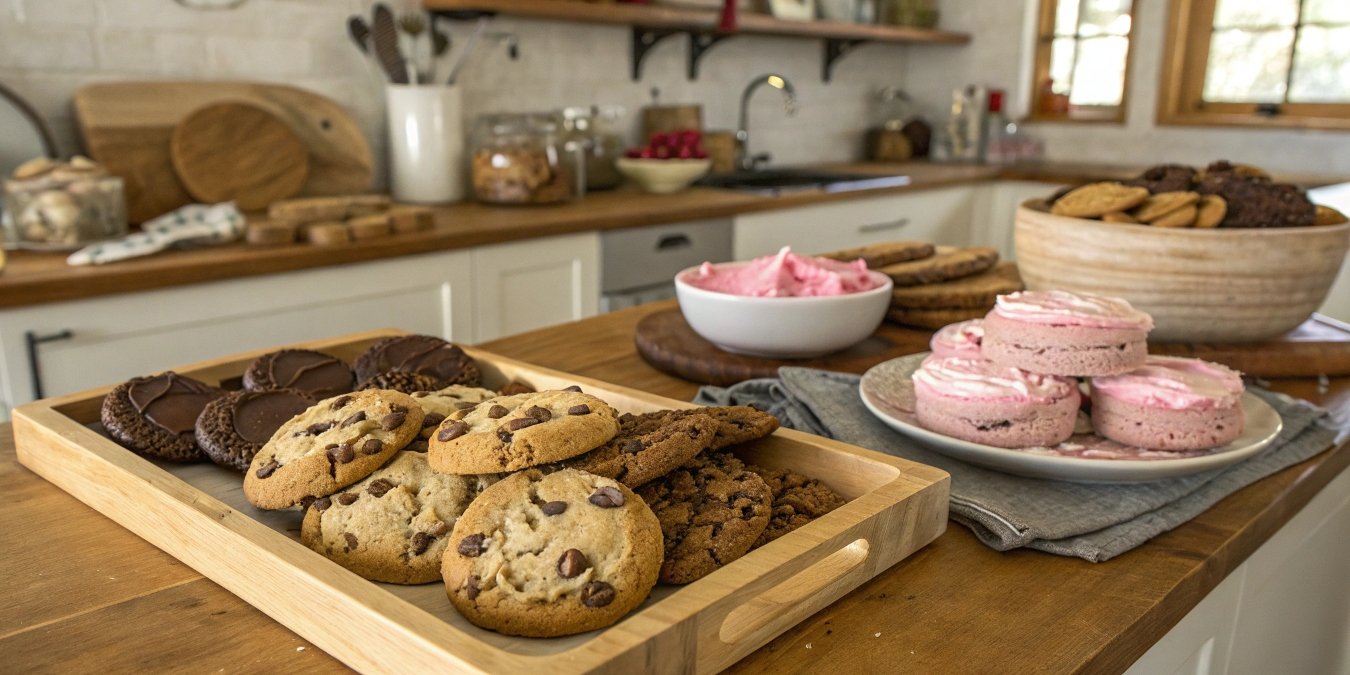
(127, 127)
(238, 152)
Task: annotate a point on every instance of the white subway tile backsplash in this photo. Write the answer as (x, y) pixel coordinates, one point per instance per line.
(32, 48)
(67, 13)
(271, 59)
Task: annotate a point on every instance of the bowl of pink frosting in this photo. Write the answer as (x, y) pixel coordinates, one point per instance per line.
(784, 305)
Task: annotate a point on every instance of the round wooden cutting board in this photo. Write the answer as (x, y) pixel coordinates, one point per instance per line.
(666, 341)
(233, 151)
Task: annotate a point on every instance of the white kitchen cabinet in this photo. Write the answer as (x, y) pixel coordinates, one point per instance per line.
(942, 216)
(996, 211)
(539, 282)
(114, 338)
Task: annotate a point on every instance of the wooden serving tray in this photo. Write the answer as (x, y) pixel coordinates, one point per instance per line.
(198, 514)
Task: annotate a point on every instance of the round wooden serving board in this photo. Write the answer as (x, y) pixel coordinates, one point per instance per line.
(666, 341)
(238, 152)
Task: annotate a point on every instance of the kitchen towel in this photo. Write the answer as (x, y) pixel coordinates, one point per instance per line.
(191, 225)
(1093, 521)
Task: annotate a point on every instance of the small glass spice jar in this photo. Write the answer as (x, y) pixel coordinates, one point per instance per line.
(521, 158)
(52, 205)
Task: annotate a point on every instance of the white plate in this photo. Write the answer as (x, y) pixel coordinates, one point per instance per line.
(887, 391)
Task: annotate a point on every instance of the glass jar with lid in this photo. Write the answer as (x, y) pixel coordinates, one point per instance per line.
(521, 158)
(591, 132)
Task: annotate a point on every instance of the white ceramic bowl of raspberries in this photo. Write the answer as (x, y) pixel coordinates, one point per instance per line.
(670, 162)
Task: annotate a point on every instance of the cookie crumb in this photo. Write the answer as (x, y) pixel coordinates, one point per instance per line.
(808, 645)
(876, 634)
(301, 648)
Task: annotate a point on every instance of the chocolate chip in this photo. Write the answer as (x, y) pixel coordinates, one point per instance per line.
(452, 432)
(393, 420)
(497, 412)
(267, 469)
(372, 446)
(440, 529)
(471, 546)
(358, 416)
(503, 436)
(306, 502)
(351, 544)
(379, 487)
(396, 408)
(541, 414)
(553, 508)
(322, 503)
(347, 498)
(340, 403)
(465, 405)
(521, 423)
(607, 497)
(432, 420)
(580, 409)
(341, 454)
(471, 588)
(420, 542)
(575, 388)
(631, 445)
(572, 563)
(319, 427)
(597, 594)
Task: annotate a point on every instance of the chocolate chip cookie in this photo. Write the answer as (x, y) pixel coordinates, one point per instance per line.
(441, 402)
(315, 373)
(797, 500)
(547, 555)
(233, 428)
(640, 454)
(157, 415)
(427, 354)
(394, 525)
(509, 433)
(1095, 199)
(335, 443)
(712, 510)
(735, 423)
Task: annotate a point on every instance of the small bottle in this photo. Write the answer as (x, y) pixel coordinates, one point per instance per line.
(1000, 143)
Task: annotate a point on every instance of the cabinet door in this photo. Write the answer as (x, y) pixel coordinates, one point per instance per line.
(996, 211)
(530, 284)
(942, 216)
(116, 338)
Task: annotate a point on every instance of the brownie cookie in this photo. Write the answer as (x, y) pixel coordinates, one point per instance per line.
(315, 373)
(333, 444)
(634, 457)
(232, 428)
(421, 354)
(735, 423)
(797, 500)
(394, 525)
(547, 555)
(1254, 201)
(712, 510)
(404, 381)
(1165, 178)
(509, 433)
(156, 416)
(441, 402)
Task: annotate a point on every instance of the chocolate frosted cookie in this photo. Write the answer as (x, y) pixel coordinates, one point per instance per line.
(797, 500)
(1165, 178)
(315, 373)
(640, 454)
(509, 433)
(712, 510)
(1253, 201)
(440, 403)
(548, 555)
(735, 423)
(427, 354)
(231, 429)
(156, 416)
(404, 381)
(392, 526)
(333, 444)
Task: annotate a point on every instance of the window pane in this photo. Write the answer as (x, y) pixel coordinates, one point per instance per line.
(1066, 17)
(1105, 17)
(1326, 11)
(1321, 66)
(1256, 13)
(1061, 63)
(1248, 66)
(1100, 75)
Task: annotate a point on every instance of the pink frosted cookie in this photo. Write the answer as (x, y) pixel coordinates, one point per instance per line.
(1061, 333)
(958, 340)
(1170, 403)
(995, 405)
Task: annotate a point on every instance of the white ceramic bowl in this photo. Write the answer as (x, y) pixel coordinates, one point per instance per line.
(663, 176)
(1200, 285)
(782, 327)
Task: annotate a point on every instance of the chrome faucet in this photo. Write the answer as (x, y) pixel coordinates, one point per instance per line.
(744, 160)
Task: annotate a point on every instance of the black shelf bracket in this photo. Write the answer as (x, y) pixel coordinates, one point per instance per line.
(644, 39)
(699, 44)
(835, 49)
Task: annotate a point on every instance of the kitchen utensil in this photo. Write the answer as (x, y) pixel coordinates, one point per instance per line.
(385, 37)
(238, 152)
(359, 32)
(414, 25)
(127, 126)
(426, 143)
(478, 31)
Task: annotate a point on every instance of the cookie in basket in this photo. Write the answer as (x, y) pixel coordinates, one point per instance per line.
(641, 453)
(233, 428)
(797, 500)
(405, 381)
(335, 443)
(735, 423)
(156, 416)
(315, 373)
(509, 433)
(1095, 199)
(427, 354)
(394, 525)
(548, 555)
(712, 510)
(439, 403)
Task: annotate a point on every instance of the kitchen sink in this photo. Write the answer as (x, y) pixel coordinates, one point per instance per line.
(774, 181)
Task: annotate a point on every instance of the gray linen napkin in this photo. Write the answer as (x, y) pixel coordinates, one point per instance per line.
(1093, 521)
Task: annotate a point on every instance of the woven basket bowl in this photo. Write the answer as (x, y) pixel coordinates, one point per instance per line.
(1200, 285)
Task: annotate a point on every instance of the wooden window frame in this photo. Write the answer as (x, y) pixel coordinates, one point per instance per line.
(1181, 102)
(1045, 38)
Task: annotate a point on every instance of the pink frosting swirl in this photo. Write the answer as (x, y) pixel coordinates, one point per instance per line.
(1062, 308)
(785, 274)
(1175, 383)
(959, 340)
(977, 379)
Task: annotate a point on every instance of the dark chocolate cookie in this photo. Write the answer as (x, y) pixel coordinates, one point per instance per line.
(1254, 201)
(712, 510)
(156, 416)
(1165, 178)
(422, 354)
(797, 500)
(232, 428)
(404, 381)
(315, 373)
(635, 458)
(735, 423)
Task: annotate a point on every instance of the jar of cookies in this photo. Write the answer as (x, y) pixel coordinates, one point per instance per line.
(54, 205)
(520, 158)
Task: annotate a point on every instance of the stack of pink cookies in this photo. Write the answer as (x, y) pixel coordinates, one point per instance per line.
(1009, 380)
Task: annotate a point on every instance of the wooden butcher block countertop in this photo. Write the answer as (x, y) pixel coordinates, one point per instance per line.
(82, 594)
